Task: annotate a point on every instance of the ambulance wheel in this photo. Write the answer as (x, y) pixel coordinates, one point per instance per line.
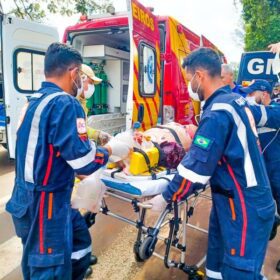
(146, 249)
(136, 252)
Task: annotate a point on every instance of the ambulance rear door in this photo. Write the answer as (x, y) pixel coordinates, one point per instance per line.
(24, 44)
(144, 87)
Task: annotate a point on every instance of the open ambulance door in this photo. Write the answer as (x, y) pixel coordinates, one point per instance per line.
(24, 45)
(144, 83)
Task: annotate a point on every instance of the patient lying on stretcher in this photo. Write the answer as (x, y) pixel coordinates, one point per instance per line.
(163, 147)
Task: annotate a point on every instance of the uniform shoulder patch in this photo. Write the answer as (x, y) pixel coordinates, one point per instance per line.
(202, 142)
(81, 126)
(240, 101)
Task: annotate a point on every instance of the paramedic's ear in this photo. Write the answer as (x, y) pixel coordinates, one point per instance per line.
(200, 74)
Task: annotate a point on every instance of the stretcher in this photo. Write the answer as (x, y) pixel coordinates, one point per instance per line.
(134, 190)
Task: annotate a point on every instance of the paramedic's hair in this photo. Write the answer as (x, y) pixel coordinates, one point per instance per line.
(227, 68)
(204, 58)
(59, 57)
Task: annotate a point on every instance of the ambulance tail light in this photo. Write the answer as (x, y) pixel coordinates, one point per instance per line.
(168, 114)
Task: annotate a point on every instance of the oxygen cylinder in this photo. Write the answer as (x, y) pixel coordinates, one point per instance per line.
(90, 101)
(89, 105)
(104, 92)
(96, 109)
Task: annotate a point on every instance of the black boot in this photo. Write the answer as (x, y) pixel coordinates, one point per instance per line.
(274, 228)
(278, 266)
(93, 260)
(88, 272)
(90, 218)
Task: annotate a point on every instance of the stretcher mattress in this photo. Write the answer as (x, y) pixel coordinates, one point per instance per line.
(137, 185)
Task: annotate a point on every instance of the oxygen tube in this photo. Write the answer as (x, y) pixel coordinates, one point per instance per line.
(271, 141)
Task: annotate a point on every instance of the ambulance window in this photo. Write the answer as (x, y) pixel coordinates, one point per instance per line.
(28, 70)
(147, 72)
(162, 37)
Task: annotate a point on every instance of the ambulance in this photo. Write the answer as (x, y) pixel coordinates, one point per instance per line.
(22, 51)
(138, 56)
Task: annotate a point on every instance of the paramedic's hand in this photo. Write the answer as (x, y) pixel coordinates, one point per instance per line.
(120, 149)
(104, 137)
(275, 48)
(158, 203)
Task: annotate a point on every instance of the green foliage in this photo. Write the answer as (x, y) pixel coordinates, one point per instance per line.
(37, 10)
(262, 23)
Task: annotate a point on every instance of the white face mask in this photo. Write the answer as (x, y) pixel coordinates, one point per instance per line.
(251, 100)
(80, 90)
(193, 94)
(89, 92)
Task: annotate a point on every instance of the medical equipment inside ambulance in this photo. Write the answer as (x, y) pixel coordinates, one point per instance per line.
(110, 62)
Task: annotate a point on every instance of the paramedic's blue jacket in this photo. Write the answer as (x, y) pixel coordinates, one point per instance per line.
(226, 152)
(270, 143)
(52, 145)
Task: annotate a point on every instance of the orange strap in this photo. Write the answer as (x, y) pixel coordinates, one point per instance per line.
(50, 206)
(231, 204)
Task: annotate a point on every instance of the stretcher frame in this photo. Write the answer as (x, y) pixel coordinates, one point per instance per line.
(147, 237)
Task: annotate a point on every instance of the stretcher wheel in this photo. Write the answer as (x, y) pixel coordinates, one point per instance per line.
(146, 249)
(136, 252)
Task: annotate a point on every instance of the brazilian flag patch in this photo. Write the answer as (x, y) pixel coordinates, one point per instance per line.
(202, 142)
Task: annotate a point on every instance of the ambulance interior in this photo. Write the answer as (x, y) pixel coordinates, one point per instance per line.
(108, 53)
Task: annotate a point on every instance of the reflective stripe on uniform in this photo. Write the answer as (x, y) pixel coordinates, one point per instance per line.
(81, 253)
(263, 119)
(242, 136)
(33, 137)
(191, 175)
(265, 130)
(213, 274)
(83, 161)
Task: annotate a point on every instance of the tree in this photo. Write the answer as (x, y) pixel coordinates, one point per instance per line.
(262, 23)
(37, 10)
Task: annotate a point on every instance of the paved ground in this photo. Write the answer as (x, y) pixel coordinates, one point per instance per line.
(113, 242)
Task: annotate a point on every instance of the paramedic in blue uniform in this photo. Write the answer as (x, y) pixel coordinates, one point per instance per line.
(260, 91)
(226, 152)
(52, 146)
